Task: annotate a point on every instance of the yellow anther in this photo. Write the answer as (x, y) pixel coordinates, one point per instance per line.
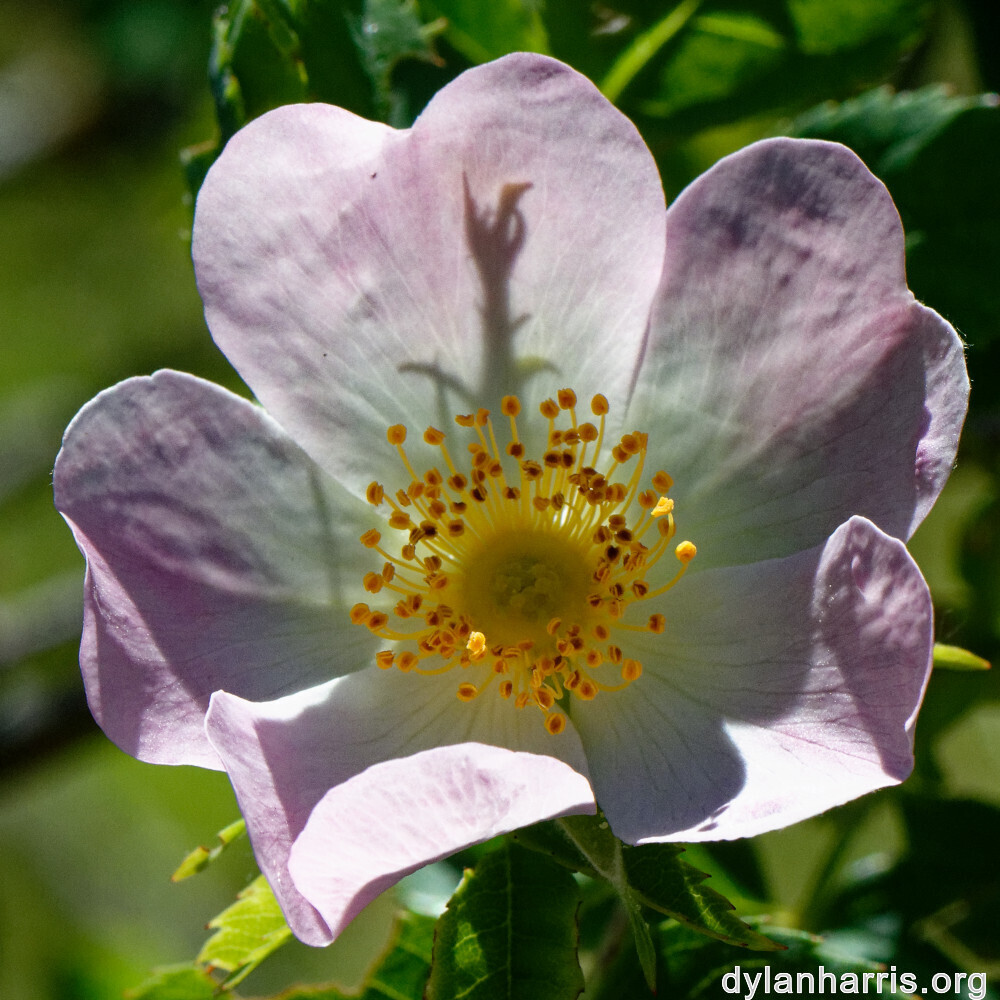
(360, 614)
(549, 564)
(599, 405)
(663, 506)
(631, 670)
(370, 538)
(686, 551)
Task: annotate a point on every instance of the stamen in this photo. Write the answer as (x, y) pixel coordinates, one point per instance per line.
(530, 579)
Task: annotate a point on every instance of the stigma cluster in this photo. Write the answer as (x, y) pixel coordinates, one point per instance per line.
(522, 572)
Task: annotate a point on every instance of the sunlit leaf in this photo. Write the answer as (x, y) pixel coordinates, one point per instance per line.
(245, 933)
(510, 931)
(178, 982)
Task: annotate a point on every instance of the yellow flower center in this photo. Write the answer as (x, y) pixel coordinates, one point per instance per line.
(521, 572)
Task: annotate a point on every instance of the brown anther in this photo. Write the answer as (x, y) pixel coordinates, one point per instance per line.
(662, 482)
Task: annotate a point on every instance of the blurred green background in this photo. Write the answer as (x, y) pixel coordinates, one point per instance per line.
(97, 100)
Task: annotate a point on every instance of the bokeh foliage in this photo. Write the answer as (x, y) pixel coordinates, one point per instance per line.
(96, 99)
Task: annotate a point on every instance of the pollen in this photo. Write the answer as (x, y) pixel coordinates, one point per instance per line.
(524, 574)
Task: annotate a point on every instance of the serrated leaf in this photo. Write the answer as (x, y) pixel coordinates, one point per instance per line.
(245, 933)
(400, 974)
(201, 856)
(690, 65)
(176, 982)
(955, 658)
(698, 967)
(509, 933)
(886, 129)
(653, 875)
(935, 152)
(391, 31)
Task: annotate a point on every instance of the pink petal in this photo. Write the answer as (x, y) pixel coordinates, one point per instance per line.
(284, 756)
(359, 277)
(217, 556)
(790, 379)
(779, 690)
(392, 819)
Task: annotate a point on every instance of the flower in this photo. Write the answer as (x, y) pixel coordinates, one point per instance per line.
(555, 497)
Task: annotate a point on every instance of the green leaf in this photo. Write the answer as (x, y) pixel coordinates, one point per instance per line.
(176, 982)
(509, 933)
(390, 32)
(254, 64)
(400, 974)
(328, 32)
(884, 128)
(935, 152)
(955, 658)
(697, 967)
(482, 32)
(245, 933)
(653, 875)
(691, 66)
(201, 857)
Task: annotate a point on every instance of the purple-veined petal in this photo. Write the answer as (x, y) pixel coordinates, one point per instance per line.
(396, 817)
(358, 277)
(790, 379)
(284, 756)
(218, 555)
(779, 690)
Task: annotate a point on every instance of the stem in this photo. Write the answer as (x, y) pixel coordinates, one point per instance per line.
(629, 64)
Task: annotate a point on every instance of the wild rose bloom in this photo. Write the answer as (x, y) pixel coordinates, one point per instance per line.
(663, 572)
